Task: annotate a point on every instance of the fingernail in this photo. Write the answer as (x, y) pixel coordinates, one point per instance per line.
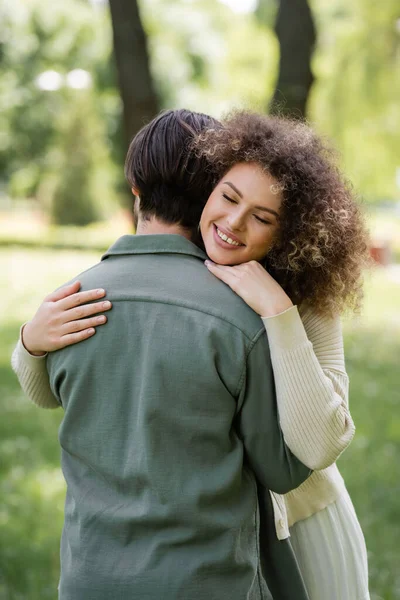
(101, 319)
(90, 331)
(106, 304)
(100, 292)
(207, 262)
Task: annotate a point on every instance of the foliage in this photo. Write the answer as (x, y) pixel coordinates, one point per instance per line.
(31, 485)
(369, 466)
(201, 63)
(38, 36)
(74, 199)
(356, 99)
(206, 57)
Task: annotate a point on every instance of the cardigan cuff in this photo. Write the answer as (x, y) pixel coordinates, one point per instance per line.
(286, 330)
(34, 363)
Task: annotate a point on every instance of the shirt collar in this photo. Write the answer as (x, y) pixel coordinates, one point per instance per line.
(154, 244)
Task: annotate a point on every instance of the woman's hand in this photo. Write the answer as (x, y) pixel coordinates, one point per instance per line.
(63, 319)
(255, 285)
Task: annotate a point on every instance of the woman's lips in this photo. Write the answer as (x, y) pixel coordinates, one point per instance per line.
(222, 243)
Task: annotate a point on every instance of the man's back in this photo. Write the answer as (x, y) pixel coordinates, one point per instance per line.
(160, 431)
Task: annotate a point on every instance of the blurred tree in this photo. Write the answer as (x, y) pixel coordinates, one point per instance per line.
(42, 41)
(42, 38)
(295, 30)
(74, 200)
(135, 80)
(203, 56)
(207, 57)
(356, 98)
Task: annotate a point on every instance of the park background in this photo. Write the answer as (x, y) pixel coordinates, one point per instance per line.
(77, 80)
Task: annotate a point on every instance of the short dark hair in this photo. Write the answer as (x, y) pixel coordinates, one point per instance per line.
(173, 183)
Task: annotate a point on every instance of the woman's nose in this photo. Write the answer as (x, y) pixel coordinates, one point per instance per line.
(235, 221)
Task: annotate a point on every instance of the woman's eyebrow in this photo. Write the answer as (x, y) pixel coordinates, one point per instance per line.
(239, 193)
(264, 208)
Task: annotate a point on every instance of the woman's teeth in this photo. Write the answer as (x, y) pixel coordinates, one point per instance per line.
(227, 239)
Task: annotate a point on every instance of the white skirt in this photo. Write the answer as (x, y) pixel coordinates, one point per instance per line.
(331, 553)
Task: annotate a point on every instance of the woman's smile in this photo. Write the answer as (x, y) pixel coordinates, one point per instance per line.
(226, 239)
(240, 218)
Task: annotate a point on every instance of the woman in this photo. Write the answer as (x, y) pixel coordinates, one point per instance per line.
(282, 229)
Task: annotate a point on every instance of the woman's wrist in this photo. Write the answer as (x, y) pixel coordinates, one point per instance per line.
(286, 332)
(274, 309)
(27, 341)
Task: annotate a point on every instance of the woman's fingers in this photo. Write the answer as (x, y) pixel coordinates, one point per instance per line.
(255, 285)
(85, 310)
(226, 274)
(78, 298)
(63, 292)
(82, 324)
(74, 338)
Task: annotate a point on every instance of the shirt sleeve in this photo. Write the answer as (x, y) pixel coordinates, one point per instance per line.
(274, 465)
(311, 385)
(33, 377)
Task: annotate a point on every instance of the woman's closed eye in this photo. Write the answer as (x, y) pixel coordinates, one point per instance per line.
(233, 201)
(264, 221)
(229, 199)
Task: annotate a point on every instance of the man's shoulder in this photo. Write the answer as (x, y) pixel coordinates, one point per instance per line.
(183, 281)
(196, 285)
(87, 275)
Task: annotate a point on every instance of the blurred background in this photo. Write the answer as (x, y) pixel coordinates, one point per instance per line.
(77, 80)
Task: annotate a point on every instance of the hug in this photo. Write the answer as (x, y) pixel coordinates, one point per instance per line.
(202, 423)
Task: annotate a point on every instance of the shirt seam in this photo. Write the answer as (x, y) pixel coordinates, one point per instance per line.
(257, 522)
(243, 371)
(152, 251)
(197, 309)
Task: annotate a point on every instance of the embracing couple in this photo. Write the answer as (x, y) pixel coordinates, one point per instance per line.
(202, 423)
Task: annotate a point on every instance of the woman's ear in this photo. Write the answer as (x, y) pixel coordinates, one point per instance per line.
(135, 191)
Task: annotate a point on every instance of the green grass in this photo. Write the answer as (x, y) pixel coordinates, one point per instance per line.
(371, 465)
(31, 485)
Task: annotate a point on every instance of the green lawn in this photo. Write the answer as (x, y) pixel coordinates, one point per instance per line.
(31, 485)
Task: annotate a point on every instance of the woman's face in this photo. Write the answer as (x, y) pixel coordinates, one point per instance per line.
(240, 219)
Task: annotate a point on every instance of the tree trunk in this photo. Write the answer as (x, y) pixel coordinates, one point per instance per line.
(139, 99)
(296, 35)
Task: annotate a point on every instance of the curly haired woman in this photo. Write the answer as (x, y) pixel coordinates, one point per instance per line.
(283, 230)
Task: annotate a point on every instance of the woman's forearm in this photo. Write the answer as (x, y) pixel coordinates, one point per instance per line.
(311, 386)
(65, 317)
(33, 377)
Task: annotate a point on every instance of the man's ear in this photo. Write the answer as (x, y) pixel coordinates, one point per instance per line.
(136, 209)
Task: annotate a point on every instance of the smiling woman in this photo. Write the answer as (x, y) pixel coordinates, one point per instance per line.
(281, 195)
(285, 233)
(240, 220)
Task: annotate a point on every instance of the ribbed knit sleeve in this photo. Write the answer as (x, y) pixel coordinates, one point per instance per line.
(311, 385)
(33, 377)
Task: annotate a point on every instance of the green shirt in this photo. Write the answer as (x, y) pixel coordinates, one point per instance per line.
(170, 427)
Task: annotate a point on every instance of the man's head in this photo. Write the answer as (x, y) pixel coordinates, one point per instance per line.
(172, 182)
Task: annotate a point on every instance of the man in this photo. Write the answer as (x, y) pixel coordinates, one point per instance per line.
(170, 429)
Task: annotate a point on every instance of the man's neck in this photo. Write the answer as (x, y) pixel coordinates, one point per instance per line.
(153, 226)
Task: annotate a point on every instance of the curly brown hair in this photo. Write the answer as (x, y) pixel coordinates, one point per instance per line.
(321, 245)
